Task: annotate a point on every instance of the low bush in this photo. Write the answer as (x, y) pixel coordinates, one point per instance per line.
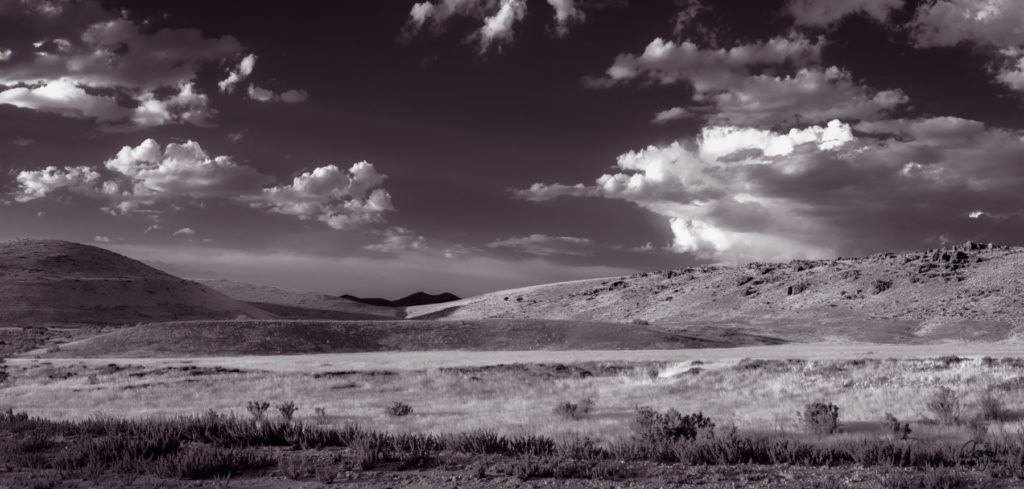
(991, 408)
(945, 405)
(257, 409)
(821, 418)
(670, 425)
(898, 429)
(398, 409)
(574, 410)
(287, 410)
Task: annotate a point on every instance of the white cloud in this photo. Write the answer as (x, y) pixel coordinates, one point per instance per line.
(36, 184)
(154, 227)
(64, 97)
(668, 115)
(566, 13)
(710, 69)
(727, 87)
(5, 54)
(1013, 75)
(498, 27)
(825, 12)
(948, 22)
(399, 240)
(498, 18)
(809, 96)
(975, 214)
(22, 141)
(341, 199)
(244, 69)
(737, 194)
(288, 96)
(148, 173)
(184, 232)
(101, 239)
(140, 177)
(185, 106)
(544, 245)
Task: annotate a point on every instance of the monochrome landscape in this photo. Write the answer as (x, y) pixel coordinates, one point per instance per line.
(343, 244)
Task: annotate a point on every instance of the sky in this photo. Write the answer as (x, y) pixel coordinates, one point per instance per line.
(379, 148)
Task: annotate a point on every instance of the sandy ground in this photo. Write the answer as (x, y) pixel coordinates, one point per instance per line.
(313, 363)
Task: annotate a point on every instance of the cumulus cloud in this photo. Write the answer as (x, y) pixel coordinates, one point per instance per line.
(101, 239)
(288, 96)
(566, 13)
(669, 62)
(826, 12)
(948, 22)
(37, 184)
(139, 177)
(398, 240)
(184, 232)
(86, 72)
(809, 96)
(64, 97)
(100, 65)
(341, 199)
(727, 85)
(498, 18)
(736, 194)
(244, 69)
(544, 245)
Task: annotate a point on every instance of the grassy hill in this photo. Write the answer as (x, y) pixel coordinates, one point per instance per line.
(964, 292)
(52, 282)
(297, 304)
(214, 338)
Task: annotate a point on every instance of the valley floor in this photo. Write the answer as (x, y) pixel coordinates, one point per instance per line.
(758, 391)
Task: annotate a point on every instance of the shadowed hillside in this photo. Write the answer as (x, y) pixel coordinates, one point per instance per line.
(969, 291)
(293, 337)
(297, 304)
(58, 282)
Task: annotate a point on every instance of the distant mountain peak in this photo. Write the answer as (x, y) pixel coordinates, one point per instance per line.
(419, 298)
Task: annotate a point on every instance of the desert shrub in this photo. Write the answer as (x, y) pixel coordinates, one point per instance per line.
(257, 409)
(950, 360)
(202, 462)
(398, 409)
(320, 415)
(294, 467)
(640, 322)
(574, 410)
(821, 418)
(670, 425)
(991, 408)
(945, 405)
(932, 479)
(287, 410)
(898, 429)
(370, 450)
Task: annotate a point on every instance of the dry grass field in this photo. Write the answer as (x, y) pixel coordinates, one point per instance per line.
(517, 395)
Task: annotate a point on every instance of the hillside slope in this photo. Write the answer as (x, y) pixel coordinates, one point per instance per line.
(212, 338)
(45, 282)
(297, 304)
(970, 291)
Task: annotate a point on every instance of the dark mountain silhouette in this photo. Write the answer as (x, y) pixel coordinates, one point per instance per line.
(416, 299)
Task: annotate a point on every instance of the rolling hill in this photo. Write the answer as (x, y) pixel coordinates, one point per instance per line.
(297, 304)
(969, 291)
(53, 282)
(234, 337)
